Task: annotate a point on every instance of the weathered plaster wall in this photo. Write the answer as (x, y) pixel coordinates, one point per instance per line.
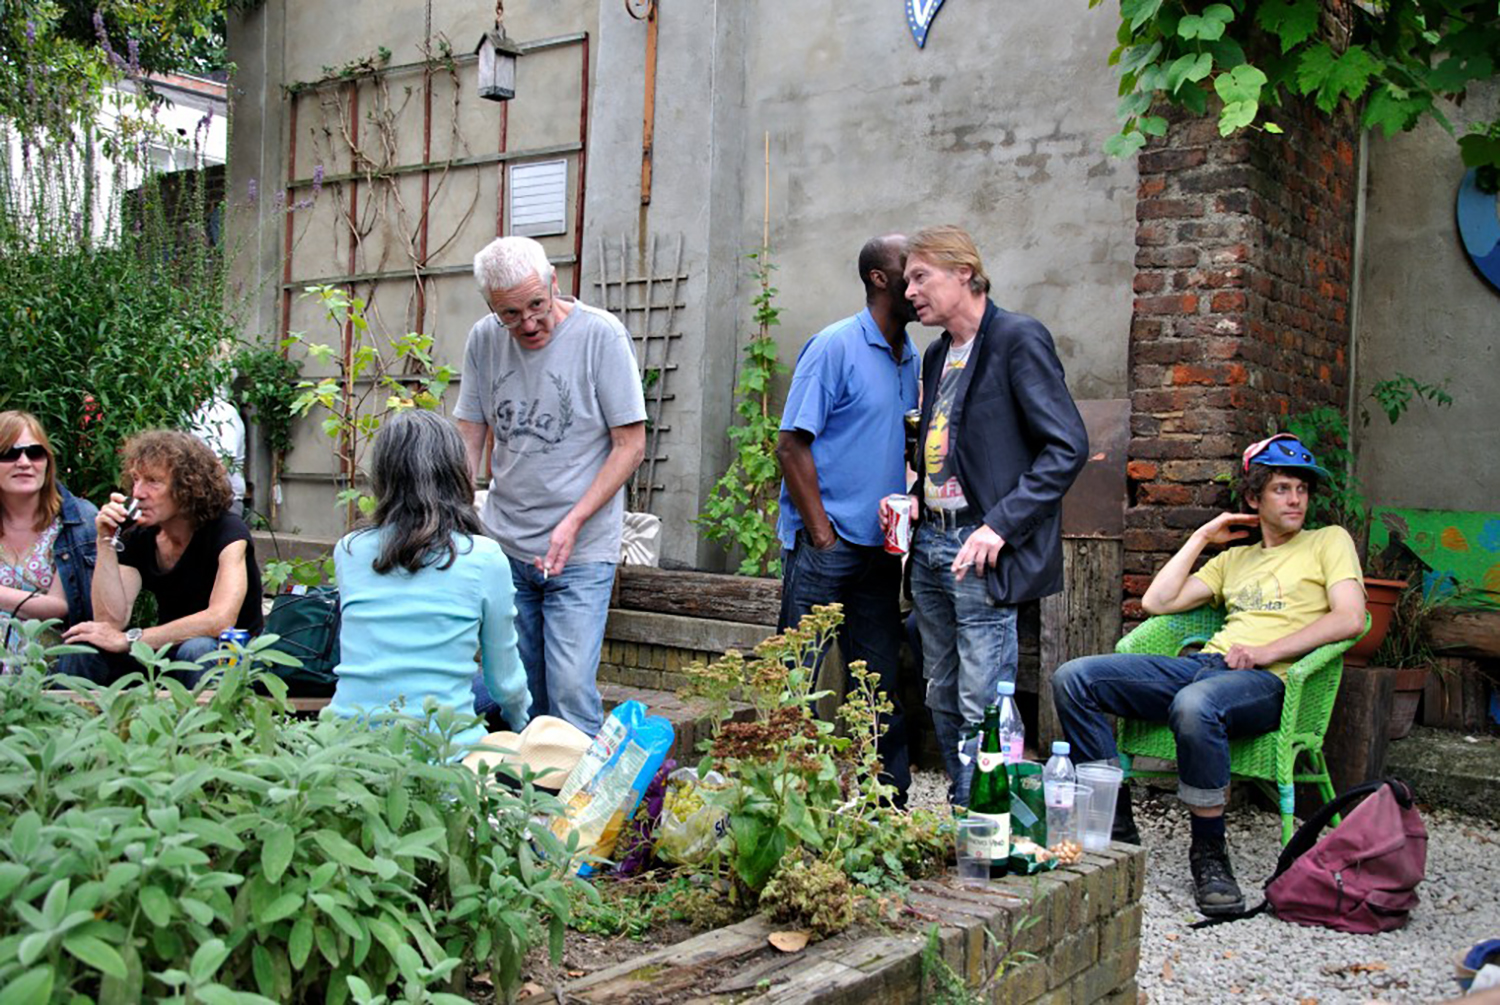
(696, 196)
(1426, 312)
(280, 43)
(996, 125)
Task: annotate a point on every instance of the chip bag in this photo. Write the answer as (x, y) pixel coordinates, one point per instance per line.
(689, 827)
(610, 778)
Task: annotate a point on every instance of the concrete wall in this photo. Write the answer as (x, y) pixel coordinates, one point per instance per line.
(1426, 312)
(997, 125)
(280, 43)
(994, 125)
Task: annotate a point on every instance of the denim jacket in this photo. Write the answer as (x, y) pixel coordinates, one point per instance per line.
(74, 552)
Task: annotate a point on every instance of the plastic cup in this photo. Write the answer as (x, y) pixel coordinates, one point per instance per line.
(1099, 819)
(1065, 812)
(974, 837)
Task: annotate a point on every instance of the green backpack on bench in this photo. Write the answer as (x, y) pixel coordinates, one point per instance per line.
(306, 619)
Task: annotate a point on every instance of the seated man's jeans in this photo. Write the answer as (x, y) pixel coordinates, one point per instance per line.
(867, 581)
(559, 635)
(1206, 704)
(968, 646)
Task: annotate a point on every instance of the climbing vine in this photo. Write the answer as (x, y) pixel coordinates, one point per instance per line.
(368, 136)
(1396, 57)
(744, 503)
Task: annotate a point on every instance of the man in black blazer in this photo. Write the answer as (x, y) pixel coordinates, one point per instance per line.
(1001, 440)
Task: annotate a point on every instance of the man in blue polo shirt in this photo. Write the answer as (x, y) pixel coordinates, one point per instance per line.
(841, 452)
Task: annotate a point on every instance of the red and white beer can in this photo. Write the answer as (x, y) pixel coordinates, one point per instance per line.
(898, 528)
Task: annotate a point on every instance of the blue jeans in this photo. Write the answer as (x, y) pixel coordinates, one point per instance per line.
(867, 581)
(1206, 704)
(968, 645)
(559, 635)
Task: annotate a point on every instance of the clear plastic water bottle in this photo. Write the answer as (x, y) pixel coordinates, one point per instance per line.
(1012, 730)
(1059, 769)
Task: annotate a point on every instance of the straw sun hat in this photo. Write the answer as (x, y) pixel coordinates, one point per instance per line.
(548, 746)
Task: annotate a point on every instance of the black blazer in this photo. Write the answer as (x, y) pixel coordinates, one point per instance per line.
(1020, 444)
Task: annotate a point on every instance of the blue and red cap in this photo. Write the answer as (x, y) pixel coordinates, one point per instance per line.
(1283, 451)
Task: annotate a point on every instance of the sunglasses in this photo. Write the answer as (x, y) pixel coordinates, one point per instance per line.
(33, 451)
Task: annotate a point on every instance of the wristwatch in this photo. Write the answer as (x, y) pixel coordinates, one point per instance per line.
(133, 635)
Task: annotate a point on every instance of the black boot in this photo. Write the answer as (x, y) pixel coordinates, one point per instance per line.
(1124, 828)
(1214, 886)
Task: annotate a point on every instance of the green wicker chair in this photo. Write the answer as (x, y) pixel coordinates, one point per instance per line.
(1268, 760)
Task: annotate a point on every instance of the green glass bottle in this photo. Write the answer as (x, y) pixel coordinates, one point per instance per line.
(989, 790)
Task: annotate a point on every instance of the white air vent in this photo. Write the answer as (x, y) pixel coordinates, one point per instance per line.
(539, 198)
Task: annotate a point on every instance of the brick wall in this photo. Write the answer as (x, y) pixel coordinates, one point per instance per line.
(644, 665)
(1067, 937)
(1085, 944)
(1244, 251)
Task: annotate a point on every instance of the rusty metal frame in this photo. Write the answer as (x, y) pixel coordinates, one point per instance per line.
(1095, 505)
(504, 155)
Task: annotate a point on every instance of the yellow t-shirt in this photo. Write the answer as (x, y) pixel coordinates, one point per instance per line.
(1269, 593)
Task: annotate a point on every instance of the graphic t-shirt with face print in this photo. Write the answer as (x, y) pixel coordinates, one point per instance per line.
(940, 487)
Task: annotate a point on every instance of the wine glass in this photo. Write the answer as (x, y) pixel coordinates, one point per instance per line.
(132, 510)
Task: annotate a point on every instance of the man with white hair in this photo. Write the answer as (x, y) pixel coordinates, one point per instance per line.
(556, 382)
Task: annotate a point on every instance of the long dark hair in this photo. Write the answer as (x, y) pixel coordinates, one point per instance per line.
(424, 494)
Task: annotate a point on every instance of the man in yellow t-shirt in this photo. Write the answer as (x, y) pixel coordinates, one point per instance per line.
(1285, 596)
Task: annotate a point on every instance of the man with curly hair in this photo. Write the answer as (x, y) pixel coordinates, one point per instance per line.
(185, 548)
(1284, 596)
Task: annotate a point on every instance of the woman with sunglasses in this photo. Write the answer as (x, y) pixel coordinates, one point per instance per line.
(47, 539)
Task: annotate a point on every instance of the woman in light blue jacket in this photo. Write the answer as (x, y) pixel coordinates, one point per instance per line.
(422, 589)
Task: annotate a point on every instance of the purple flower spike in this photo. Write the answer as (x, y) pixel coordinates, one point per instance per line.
(253, 192)
(317, 180)
(134, 48)
(31, 33)
(103, 35)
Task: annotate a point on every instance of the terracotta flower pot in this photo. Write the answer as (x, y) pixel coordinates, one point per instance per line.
(1380, 600)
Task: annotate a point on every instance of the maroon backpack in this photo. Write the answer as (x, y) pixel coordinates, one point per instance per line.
(1361, 876)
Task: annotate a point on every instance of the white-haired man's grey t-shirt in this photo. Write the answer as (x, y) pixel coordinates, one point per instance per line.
(551, 410)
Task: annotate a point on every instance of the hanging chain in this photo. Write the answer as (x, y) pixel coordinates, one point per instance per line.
(499, 12)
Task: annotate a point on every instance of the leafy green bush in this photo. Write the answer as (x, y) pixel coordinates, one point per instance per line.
(105, 337)
(162, 844)
(801, 789)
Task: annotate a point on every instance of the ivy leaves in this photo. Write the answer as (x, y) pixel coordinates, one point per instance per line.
(1329, 77)
(1398, 59)
(1292, 21)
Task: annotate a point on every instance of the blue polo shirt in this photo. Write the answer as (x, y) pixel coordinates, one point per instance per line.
(850, 394)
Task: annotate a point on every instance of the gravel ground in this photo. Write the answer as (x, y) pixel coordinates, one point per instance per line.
(1265, 959)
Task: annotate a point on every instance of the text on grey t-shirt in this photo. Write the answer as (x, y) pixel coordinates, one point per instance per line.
(551, 410)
